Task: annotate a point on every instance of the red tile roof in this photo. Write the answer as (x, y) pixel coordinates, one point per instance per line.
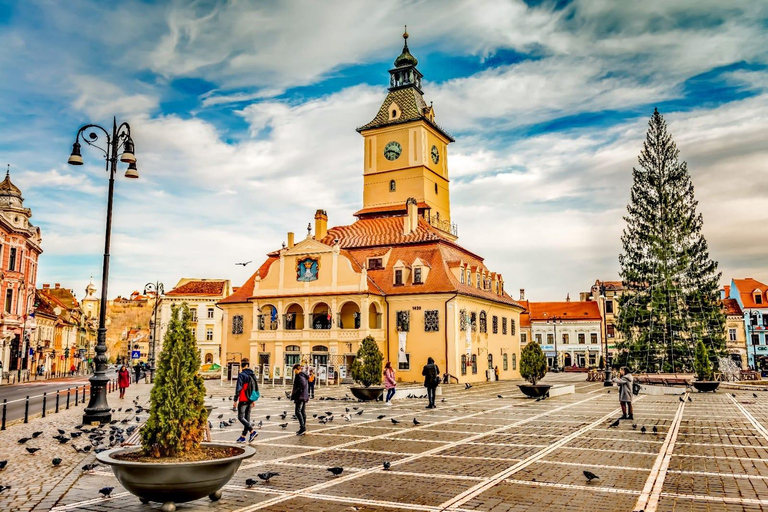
(746, 287)
(541, 311)
(199, 287)
(731, 307)
(382, 231)
(394, 209)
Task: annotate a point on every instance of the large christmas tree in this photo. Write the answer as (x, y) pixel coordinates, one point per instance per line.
(672, 298)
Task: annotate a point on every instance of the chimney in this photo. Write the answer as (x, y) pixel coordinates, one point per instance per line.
(46, 286)
(522, 293)
(411, 219)
(290, 239)
(57, 285)
(568, 297)
(321, 224)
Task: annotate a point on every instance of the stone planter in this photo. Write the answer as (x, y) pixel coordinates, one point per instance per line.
(366, 394)
(703, 386)
(175, 482)
(209, 410)
(534, 391)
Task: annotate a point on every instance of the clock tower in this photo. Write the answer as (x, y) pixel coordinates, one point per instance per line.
(406, 152)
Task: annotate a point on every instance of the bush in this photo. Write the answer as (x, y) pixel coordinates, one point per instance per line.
(177, 417)
(701, 363)
(367, 367)
(533, 364)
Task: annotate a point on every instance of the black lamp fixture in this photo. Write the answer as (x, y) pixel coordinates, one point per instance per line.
(118, 141)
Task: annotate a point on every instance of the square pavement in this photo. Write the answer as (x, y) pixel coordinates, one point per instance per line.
(475, 451)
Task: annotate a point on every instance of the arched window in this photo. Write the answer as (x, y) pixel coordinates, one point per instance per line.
(392, 186)
(512, 326)
(490, 361)
(208, 358)
(461, 273)
(514, 361)
(505, 362)
(463, 364)
(483, 323)
(478, 279)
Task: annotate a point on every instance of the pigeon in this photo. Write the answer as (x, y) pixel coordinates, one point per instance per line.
(642, 429)
(590, 476)
(106, 491)
(36, 434)
(250, 482)
(690, 399)
(360, 412)
(56, 461)
(615, 423)
(283, 425)
(355, 407)
(32, 450)
(24, 440)
(267, 476)
(499, 396)
(4, 487)
(416, 422)
(75, 434)
(335, 470)
(282, 416)
(220, 416)
(733, 395)
(89, 467)
(222, 425)
(380, 417)
(387, 465)
(681, 399)
(655, 430)
(314, 415)
(62, 432)
(443, 400)
(260, 423)
(753, 394)
(347, 417)
(327, 413)
(394, 421)
(467, 385)
(634, 426)
(266, 417)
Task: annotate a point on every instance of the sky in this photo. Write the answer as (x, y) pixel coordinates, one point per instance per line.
(244, 117)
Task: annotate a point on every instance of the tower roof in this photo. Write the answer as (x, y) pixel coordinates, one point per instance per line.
(405, 58)
(7, 188)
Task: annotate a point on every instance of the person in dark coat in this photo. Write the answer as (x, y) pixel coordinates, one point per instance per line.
(137, 370)
(300, 397)
(123, 380)
(431, 375)
(242, 402)
(625, 381)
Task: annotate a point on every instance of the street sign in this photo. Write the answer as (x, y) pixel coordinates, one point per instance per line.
(135, 354)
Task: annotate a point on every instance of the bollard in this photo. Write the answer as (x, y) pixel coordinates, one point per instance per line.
(26, 410)
(45, 397)
(57, 401)
(83, 399)
(67, 398)
(5, 406)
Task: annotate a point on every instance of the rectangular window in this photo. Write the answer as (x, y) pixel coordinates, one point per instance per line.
(194, 332)
(431, 320)
(753, 320)
(608, 307)
(463, 364)
(758, 298)
(403, 321)
(732, 334)
(461, 276)
(523, 338)
(407, 364)
(8, 300)
(565, 338)
(209, 334)
(237, 324)
(473, 321)
(12, 259)
(582, 339)
(755, 339)
(474, 364)
(610, 330)
(505, 362)
(463, 320)
(477, 280)
(398, 277)
(375, 264)
(210, 312)
(538, 339)
(417, 275)
(503, 325)
(193, 312)
(495, 325)
(593, 338)
(550, 339)
(512, 326)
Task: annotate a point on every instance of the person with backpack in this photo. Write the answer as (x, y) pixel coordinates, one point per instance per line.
(246, 392)
(431, 375)
(300, 397)
(626, 382)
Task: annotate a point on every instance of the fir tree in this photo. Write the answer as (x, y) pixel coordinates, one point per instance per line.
(177, 416)
(367, 367)
(671, 282)
(702, 364)
(533, 364)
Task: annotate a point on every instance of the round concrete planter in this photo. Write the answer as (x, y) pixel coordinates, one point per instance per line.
(367, 394)
(703, 386)
(534, 391)
(209, 410)
(175, 482)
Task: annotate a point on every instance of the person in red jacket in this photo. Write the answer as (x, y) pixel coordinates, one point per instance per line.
(123, 380)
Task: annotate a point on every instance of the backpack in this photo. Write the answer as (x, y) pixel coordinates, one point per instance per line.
(253, 388)
(635, 387)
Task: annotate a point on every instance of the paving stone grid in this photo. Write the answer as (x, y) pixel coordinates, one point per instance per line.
(474, 452)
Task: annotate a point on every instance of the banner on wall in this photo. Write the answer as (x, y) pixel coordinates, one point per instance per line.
(401, 337)
(469, 335)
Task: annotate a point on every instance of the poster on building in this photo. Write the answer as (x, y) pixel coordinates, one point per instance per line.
(322, 373)
(342, 372)
(401, 337)
(234, 370)
(266, 371)
(288, 372)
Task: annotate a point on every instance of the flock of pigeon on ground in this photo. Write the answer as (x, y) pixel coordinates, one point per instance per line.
(109, 436)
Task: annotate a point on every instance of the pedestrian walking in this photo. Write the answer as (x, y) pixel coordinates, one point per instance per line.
(300, 396)
(496, 372)
(137, 370)
(389, 382)
(625, 381)
(246, 392)
(431, 375)
(311, 382)
(123, 380)
(72, 370)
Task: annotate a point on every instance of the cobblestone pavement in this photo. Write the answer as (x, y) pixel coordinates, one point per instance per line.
(476, 451)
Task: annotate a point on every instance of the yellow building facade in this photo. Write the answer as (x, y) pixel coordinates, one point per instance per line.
(397, 273)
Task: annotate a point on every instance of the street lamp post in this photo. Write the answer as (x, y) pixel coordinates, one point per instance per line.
(554, 319)
(98, 409)
(158, 290)
(607, 374)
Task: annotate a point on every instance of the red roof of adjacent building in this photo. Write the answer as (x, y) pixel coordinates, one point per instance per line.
(747, 288)
(731, 307)
(541, 311)
(199, 287)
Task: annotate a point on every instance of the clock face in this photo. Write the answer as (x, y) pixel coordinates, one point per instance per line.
(435, 155)
(392, 150)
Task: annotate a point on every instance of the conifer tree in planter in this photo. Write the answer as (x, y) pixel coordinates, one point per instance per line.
(174, 465)
(367, 369)
(533, 368)
(703, 367)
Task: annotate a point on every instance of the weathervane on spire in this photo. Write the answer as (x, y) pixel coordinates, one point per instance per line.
(8, 171)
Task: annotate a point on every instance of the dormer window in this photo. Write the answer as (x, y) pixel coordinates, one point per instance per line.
(417, 275)
(478, 279)
(398, 277)
(758, 296)
(375, 264)
(461, 274)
